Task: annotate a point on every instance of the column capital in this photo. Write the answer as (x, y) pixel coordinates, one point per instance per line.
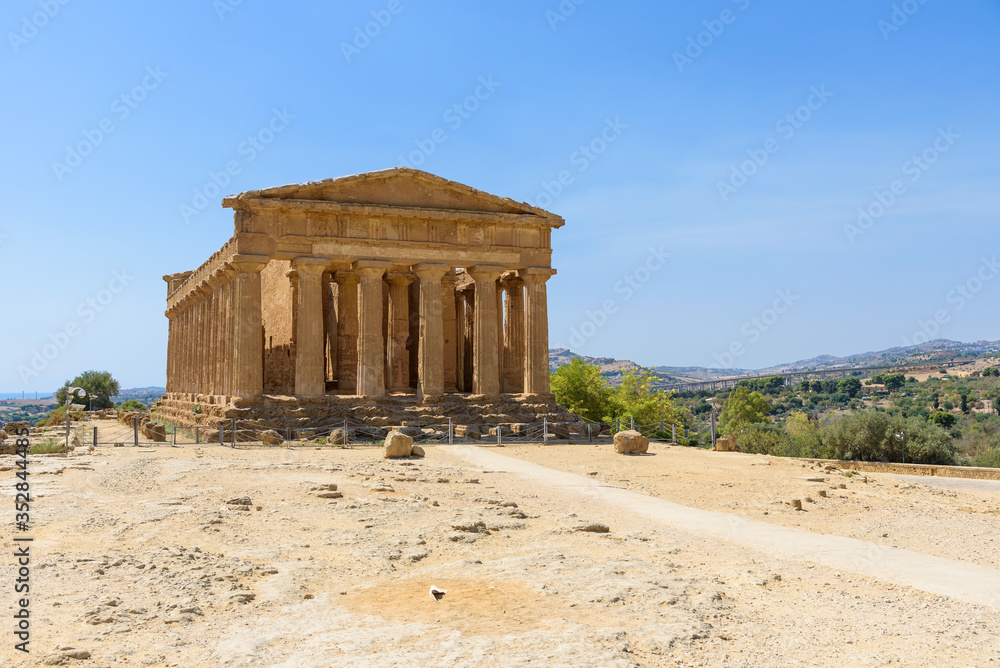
(310, 265)
(346, 277)
(430, 271)
(249, 263)
(536, 274)
(510, 279)
(482, 273)
(399, 279)
(372, 268)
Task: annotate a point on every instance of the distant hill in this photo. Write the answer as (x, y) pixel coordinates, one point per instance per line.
(932, 352)
(145, 395)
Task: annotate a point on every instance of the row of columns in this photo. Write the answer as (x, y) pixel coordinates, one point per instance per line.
(215, 345)
(216, 331)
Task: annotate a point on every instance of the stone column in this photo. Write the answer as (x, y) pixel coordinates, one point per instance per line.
(189, 343)
(248, 343)
(347, 332)
(513, 353)
(449, 320)
(431, 346)
(486, 364)
(201, 326)
(468, 338)
(212, 337)
(371, 346)
(330, 316)
(310, 368)
(500, 333)
(228, 347)
(399, 330)
(181, 366)
(536, 359)
(171, 334)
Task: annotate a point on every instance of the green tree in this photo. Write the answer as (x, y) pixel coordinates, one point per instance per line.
(743, 406)
(849, 386)
(991, 371)
(100, 387)
(581, 388)
(894, 381)
(636, 398)
(132, 405)
(965, 404)
(944, 420)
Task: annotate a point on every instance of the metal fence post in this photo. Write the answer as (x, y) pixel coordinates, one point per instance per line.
(234, 433)
(590, 433)
(673, 430)
(545, 431)
(135, 431)
(95, 437)
(197, 435)
(500, 435)
(451, 433)
(346, 439)
(222, 434)
(631, 423)
(618, 425)
(174, 436)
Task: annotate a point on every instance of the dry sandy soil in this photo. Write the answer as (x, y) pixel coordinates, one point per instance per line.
(139, 560)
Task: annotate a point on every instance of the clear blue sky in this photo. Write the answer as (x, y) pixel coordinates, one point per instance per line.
(679, 125)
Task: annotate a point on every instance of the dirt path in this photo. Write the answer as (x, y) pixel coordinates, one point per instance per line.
(945, 577)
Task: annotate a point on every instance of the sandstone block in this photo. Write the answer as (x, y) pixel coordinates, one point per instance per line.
(417, 451)
(270, 437)
(630, 442)
(398, 445)
(338, 437)
(726, 444)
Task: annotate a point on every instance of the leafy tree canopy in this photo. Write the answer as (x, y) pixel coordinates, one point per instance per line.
(743, 406)
(100, 387)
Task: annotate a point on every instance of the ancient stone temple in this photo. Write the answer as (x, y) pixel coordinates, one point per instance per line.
(398, 287)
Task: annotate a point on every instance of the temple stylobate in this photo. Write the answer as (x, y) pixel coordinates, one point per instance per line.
(393, 283)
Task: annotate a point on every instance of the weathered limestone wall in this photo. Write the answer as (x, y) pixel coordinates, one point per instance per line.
(278, 311)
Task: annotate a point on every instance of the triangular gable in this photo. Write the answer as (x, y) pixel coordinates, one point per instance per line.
(403, 187)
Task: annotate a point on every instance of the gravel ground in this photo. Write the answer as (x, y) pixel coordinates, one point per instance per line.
(207, 556)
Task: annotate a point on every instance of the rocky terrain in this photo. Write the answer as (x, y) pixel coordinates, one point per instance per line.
(209, 556)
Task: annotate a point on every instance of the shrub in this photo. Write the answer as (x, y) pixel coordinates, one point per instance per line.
(132, 405)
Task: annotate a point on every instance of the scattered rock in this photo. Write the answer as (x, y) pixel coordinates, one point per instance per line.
(592, 527)
(398, 445)
(726, 444)
(630, 442)
(417, 451)
(797, 504)
(270, 437)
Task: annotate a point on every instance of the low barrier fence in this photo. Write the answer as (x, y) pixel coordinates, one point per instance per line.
(141, 429)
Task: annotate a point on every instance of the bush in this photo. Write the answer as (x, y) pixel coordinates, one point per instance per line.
(132, 405)
(989, 459)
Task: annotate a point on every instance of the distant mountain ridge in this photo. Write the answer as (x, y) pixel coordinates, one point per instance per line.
(936, 351)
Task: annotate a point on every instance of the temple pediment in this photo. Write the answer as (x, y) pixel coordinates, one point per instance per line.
(401, 187)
